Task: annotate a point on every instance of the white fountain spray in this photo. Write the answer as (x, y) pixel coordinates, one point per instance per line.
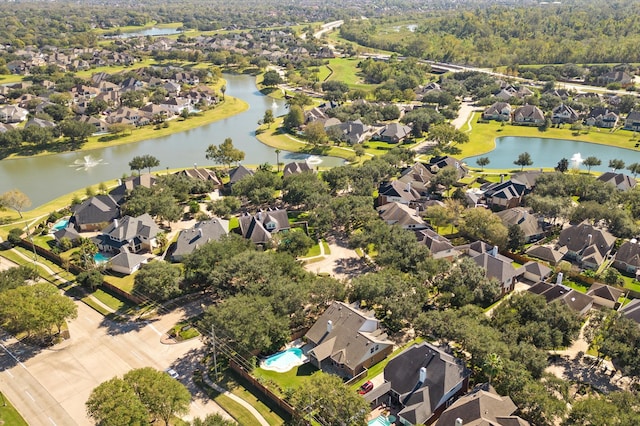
(576, 160)
(87, 162)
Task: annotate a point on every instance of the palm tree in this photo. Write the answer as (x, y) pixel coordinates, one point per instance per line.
(492, 365)
(278, 159)
(223, 89)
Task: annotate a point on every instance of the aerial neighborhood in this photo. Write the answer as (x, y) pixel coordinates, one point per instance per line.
(418, 247)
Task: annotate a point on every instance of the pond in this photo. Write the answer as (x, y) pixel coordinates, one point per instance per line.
(47, 177)
(547, 152)
(150, 32)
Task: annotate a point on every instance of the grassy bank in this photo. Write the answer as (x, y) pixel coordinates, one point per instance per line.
(482, 136)
(9, 415)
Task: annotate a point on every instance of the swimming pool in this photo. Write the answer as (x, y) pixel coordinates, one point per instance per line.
(100, 258)
(61, 224)
(284, 361)
(379, 421)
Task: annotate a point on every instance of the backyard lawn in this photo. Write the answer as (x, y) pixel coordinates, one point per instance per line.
(291, 379)
(8, 415)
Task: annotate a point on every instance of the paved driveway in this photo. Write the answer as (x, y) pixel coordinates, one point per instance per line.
(51, 387)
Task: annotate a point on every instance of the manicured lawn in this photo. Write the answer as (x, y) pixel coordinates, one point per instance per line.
(234, 223)
(631, 283)
(575, 285)
(246, 391)
(327, 250)
(235, 410)
(124, 282)
(8, 415)
(346, 70)
(183, 331)
(291, 379)
(313, 251)
(482, 136)
(110, 300)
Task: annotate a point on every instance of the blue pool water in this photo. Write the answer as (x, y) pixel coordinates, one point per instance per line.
(61, 224)
(379, 421)
(284, 361)
(100, 258)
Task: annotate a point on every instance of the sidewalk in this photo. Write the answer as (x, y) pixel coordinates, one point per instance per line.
(236, 398)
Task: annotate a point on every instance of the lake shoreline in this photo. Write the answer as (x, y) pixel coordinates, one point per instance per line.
(229, 107)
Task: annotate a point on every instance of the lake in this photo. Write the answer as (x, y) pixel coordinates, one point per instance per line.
(547, 152)
(47, 177)
(150, 32)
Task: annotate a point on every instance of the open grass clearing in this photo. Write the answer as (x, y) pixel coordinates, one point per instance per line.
(9, 415)
(293, 378)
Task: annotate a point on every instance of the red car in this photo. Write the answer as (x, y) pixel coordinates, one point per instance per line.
(366, 387)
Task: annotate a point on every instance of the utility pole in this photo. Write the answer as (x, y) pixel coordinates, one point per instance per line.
(215, 358)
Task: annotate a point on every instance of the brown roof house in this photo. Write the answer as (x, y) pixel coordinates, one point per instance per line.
(499, 111)
(497, 267)
(438, 246)
(586, 244)
(396, 191)
(528, 115)
(395, 213)
(259, 227)
(482, 407)
(627, 257)
(529, 223)
(578, 302)
(201, 173)
(347, 340)
(547, 252)
(564, 114)
(424, 381)
(504, 195)
(418, 176)
(604, 295)
(297, 168)
(619, 180)
(632, 310)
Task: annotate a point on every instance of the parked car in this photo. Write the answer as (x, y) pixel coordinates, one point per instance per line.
(366, 387)
(173, 373)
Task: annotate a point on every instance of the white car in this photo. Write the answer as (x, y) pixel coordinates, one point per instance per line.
(173, 373)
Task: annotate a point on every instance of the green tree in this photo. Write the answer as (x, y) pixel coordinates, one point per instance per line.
(271, 78)
(223, 207)
(482, 162)
(268, 117)
(515, 238)
(76, 131)
(225, 153)
(294, 118)
(248, 323)
(213, 420)
(315, 134)
(439, 216)
(492, 365)
(331, 401)
(296, 243)
(482, 224)
(616, 164)
(158, 281)
(14, 199)
(162, 395)
(563, 165)
(591, 162)
(115, 403)
(524, 159)
(634, 168)
(137, 163)
(304, 189)
(91, 279)
(223, 90)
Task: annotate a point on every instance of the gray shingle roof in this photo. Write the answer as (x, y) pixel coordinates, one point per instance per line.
(479, 408)
(200, 234)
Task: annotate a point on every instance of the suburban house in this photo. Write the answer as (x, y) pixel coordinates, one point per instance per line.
(632, 310)
(499, 111)
(396, 191)
(94, 213)
(12, 114)
(564, 114)
(418, 176)
(424, 380)
(586, 244)
(132, 234)
(260, 227)
(632, 122)
(602, 117)
(395, 132)
(201, 233)
(528, 115)
(547, 253)
(237, 173)
(619, 180)
(201, 173)
(620, 77)
(68, 232)
(578, 302)
(534, 272)
(627, 257)
(440, 162)
(395, 213)
(604, 295)
(297, 168)
(439, 246)
(347, 340)
(127, 185)
(482, 406)
(127, 263)
(530, 225)
(504, 195)
(353, 131)
(497, 267)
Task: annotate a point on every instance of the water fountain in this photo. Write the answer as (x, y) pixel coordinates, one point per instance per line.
(314, 160)
(576, 160)
(274, 105)
(86, 163)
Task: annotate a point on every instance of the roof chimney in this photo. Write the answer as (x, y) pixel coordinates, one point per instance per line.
(559, 278)
(200, 232)
(494, 251)
(195, 166)
(501, 178)
(329, 326)
(115, 223)
(458, 422)
(423, 374)
(589, 239)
